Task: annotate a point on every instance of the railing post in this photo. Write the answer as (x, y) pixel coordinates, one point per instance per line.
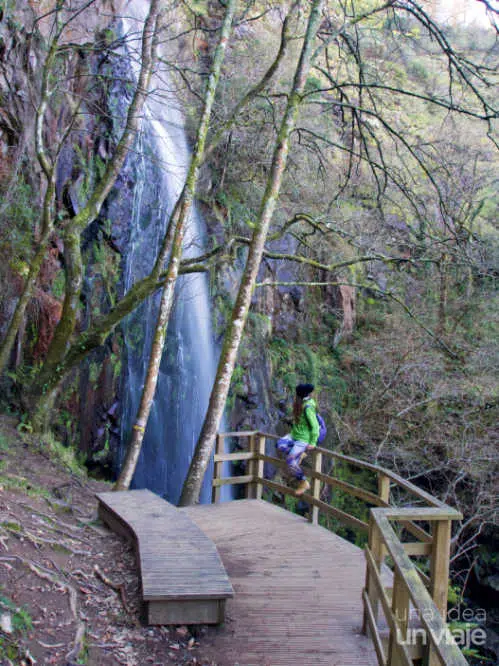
(439, 572)
(251, 487)
(260, 450)
(439, 567)
(384, 487)
(217, 471)
(384, 495)
(375, 544)
(400, 609)
(316, 487)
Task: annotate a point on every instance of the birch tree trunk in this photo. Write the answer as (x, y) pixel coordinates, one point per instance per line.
(204, 447)
(180, 219)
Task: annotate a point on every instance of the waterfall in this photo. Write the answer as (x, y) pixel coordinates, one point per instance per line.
(159, 166)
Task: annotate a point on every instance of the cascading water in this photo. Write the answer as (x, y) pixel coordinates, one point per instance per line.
(188, 365)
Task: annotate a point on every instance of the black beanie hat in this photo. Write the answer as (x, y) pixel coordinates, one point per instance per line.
(302, 390)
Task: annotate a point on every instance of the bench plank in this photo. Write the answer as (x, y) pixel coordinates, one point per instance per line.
(182, 576)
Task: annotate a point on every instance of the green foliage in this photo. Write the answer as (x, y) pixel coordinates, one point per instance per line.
(116, 364)
(454, 595)
(106, 263)
(7, 6)
(473, 653)
(361, 478)
(94, 370)
(59, 285)
(313, 84)
(21, 484)
(20, 211)
(293, 363)
(21, 618)
(236, 386)
(240, 213)
(66, 456)
(24, 426)
(4, 442)
(21, 624)
(198, 7)
(291, 503)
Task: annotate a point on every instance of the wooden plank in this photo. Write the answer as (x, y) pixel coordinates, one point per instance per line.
(360, 493)
(233, 480)
(316, 487)
(417, 531)
(425, 579)
(430, 514)
(343, 517)
(439, 574)
(218, 467)
(440, 564)
(402, 652)
(251, 487)
(116, 524)
(373, 629)
(260, 449)
(279, 487)
(417, 548)
(278, 463)
(243, 433)
(400, 610)
(233, 457)
(200, 611)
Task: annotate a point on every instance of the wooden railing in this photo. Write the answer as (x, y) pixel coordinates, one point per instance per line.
(412, 595)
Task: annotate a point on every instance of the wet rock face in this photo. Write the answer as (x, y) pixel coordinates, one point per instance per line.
(91, 393)
(105, 244)
(284, 311)
(252, 407)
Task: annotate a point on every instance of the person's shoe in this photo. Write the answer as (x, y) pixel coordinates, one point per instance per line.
(303, 486)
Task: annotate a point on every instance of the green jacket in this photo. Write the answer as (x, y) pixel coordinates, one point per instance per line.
(307, 428)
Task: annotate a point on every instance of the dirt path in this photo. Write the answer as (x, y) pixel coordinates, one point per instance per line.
(68, 586)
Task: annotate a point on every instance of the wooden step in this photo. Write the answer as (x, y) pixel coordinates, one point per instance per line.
(182, 576)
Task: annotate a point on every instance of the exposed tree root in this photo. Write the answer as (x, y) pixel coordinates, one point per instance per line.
(117, 587)
(74, 653)
(60, 544)
(48, 646)
(51, 519)
(36, 540)
(45, 574)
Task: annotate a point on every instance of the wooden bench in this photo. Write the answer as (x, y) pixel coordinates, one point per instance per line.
(182, 576)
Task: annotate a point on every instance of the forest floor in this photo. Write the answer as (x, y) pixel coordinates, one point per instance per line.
(69, 590)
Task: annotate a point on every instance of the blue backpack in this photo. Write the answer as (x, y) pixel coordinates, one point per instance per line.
(322, 429)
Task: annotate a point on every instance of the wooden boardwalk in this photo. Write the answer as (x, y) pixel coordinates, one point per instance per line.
(297, 589)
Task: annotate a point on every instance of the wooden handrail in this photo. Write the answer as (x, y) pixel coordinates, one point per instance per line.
(361, 464)
(409, 584)
(439, 643)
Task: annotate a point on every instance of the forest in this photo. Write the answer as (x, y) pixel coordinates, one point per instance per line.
(206, 203)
